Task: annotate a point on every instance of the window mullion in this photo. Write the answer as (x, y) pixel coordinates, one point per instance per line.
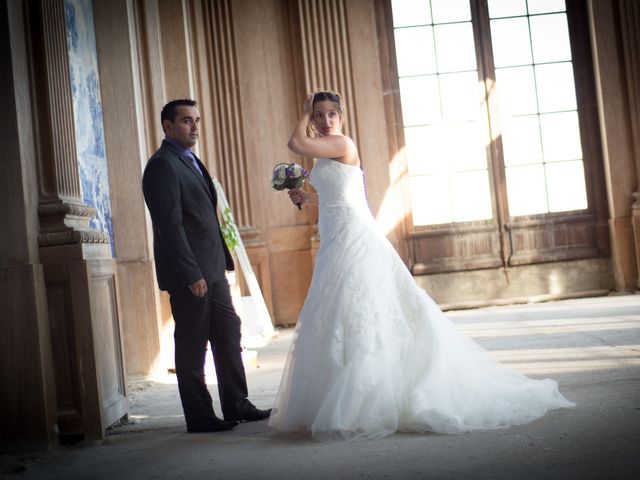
(495, 157)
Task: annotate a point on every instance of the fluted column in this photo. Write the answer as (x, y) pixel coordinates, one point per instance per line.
(630, 27)
(327, 60)
(609, 23)
(63, 215)
(230, 154)
(56, 56)
(216, 83)
(325, 52)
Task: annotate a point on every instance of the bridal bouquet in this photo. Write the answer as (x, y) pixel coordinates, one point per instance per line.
(288, 175)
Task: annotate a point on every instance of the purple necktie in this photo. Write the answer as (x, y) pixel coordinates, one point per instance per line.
(195, 163)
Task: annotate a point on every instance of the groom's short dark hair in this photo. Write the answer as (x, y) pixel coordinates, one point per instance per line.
(169, 110)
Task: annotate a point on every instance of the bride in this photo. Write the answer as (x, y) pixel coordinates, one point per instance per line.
(372, 353)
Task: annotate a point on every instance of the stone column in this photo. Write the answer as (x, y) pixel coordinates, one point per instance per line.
(79, 270)
(326, 61)
(620, 160)
(119, 59)
(212, 47)
(326, 54)
(28, 416)
(341, 48)
(176, 49)
(629, 11)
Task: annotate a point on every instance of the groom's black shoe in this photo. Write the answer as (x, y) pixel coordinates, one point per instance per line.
(214, 425)
(248, 412)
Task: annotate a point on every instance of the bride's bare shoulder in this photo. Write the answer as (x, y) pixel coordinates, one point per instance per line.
(352, 157)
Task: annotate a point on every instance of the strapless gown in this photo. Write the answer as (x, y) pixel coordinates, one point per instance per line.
(373, 354)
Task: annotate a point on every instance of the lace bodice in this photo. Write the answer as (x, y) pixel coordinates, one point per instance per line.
(338, 183)
(341, 194)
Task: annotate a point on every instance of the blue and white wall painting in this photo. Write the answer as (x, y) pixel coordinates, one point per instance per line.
(87, 109)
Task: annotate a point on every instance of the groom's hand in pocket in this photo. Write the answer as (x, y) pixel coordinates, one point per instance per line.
(199, 288)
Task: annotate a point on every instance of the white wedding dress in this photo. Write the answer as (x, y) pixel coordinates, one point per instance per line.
(373, 354)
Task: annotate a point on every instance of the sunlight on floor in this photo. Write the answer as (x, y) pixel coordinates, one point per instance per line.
(549, 326)
(571, 359)
(613, 340)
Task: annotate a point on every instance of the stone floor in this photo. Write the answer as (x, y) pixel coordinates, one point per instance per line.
(591, 346)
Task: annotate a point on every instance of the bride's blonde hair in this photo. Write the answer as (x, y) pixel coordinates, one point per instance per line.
(321, 96)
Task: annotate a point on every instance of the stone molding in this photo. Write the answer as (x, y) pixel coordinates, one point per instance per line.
(68, 223)
(63, 209)
(251, 237)
(72, 237)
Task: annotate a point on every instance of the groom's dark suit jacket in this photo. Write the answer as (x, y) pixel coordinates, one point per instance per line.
(187, 241)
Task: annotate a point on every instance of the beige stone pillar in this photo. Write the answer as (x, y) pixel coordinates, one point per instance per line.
(211, 46)
(176, 49)
(122, 106)
(28, 400)
(629, 12)
(326, 61)
(618, 145)
(342, 49)
(79, 272)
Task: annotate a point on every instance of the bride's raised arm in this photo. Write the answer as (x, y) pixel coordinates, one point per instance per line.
(327, 121)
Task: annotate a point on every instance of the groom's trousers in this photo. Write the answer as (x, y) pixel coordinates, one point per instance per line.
(213, 319)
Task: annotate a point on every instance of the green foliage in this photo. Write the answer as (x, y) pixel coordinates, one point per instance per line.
(229, 230)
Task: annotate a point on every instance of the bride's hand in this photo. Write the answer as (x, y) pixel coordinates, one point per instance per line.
(307, 109)
(298, 196)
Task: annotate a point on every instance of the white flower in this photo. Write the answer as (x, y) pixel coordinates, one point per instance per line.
(281, 172)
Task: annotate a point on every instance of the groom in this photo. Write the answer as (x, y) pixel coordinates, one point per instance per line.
(191, 258)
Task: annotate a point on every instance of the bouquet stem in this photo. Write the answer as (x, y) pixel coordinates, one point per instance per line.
(288, 176)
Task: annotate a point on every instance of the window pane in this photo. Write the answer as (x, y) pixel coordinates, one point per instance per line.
(507, 8)
(550, 38)
(460, 96)
(566, 186)
(471, 196)
(560, 136)
(415, 51)
(450, 11)
(427, 150)
(455, 47)
(526, 190)
(516, 91)
(445, 148)
(556, 88)
(430, 199)
(545, 6)
(510, 38)
(410, 12)
(468, 146)
(521, 141)
(420, 100)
